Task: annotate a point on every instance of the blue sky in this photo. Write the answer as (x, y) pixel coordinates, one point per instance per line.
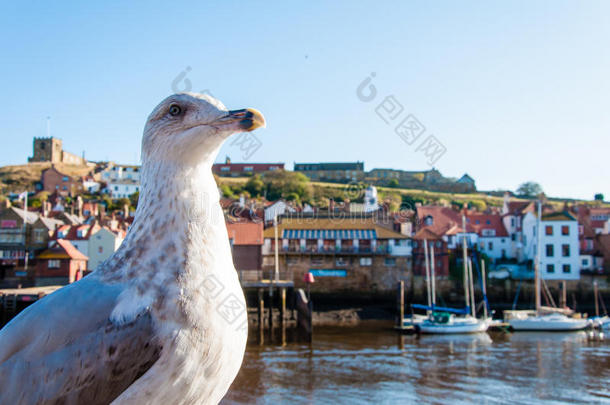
(514, 91)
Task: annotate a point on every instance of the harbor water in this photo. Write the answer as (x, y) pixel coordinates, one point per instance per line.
(371, 363)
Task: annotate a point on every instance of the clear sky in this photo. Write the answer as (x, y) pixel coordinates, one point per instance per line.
(514, 91)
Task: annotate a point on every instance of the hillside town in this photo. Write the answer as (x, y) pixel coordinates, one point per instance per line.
(354, 241)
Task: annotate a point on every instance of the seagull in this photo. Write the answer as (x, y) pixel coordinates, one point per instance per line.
(164, 319)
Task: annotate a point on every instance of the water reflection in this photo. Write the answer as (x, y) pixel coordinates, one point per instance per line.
(371, 363)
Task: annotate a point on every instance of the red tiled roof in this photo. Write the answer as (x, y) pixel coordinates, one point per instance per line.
(481, 222)
(245, 233)
(443, 218)
(426, 233)
(518, 207)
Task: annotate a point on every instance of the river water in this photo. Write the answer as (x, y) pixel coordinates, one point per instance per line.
(371, 363)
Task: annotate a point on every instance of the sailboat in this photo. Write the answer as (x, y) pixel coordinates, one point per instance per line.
(549, 319)
(443, 320)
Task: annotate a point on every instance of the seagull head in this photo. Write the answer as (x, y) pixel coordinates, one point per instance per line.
(190, 128)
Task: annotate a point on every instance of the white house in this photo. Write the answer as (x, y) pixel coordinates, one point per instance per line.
(102, 245)
(560, 255)
(277, 209)
(122, 188)
(121, 172)
(493, 238)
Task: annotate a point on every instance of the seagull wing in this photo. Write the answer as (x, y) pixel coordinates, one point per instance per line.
(65, 349)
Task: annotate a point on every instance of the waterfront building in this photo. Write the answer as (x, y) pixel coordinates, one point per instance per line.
(354, 254)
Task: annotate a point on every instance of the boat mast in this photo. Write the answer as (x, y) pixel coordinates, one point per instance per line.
(538, 250)
(471, 281)
(428, 289)
(484, 287)
(432, 275)
(465, 252)
(595, 296)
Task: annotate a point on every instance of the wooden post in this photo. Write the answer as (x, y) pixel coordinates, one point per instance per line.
(283, 315)
(564, 297)
(270, 312)
(401, 303)
(261, 316)
(283, 307)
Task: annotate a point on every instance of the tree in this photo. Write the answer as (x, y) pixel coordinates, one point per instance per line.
(529, 189)
(134, 198)
(281, 183)
(393, 183)
(255, 186)
(226, 191)
(599, 197)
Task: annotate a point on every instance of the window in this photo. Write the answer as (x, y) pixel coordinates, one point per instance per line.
(53, 264)
(567, 268)
(585, 262)
(225, 169)
(513, 237)
(581, 229)
(565, 250)
(490, 246)
(341, 261)
(100, 249)
(548, 229)
(565, 230)
(65, 178)
(366, 261)
(512, 222)
(550, 251)
(429, 220)
(248, 168)
(390, 261)
(38, 235)
(550, 268)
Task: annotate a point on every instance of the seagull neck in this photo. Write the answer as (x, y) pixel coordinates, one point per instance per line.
(180, 203)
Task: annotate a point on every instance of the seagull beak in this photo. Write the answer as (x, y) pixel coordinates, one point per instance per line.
(248, 119)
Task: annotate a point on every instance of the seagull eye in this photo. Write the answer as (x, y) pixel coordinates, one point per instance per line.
(174, 110)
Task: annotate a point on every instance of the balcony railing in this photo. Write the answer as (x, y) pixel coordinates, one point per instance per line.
(383, 249)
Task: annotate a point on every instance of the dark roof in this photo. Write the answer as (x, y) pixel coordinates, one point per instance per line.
(558, 216)
(62, 249)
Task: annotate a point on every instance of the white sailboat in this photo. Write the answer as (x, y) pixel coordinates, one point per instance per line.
(443, 320)
(539, 320)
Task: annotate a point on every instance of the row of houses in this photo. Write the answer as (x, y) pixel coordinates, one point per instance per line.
(374, 250)
(54, 247)
(349, 251)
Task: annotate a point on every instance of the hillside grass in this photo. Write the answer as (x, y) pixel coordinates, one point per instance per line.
(17, 178)
(342, 191)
